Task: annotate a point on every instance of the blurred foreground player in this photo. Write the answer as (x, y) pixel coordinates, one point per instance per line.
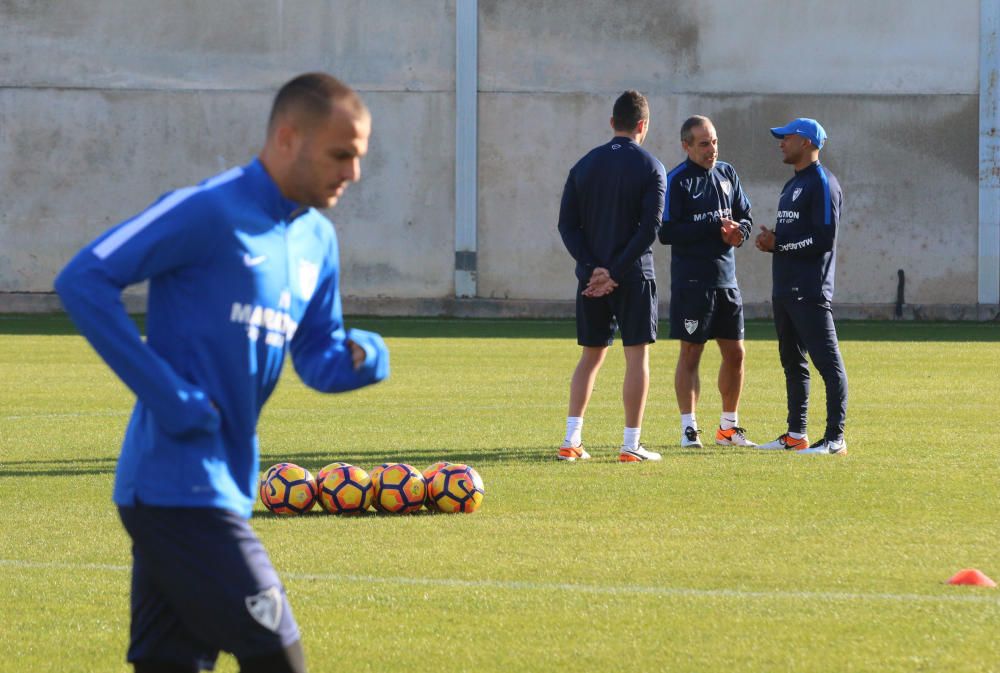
(242, 269)
(610, 213)
(804, 245)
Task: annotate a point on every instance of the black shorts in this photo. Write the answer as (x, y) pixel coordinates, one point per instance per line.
(700, 314)
(630, 309)
(201, 583)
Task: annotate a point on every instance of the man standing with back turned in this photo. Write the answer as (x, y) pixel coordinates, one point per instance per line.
(707, 215)
(804, 244)
(242, 270)
(610, 213)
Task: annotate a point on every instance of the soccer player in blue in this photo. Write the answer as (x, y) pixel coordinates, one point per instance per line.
(804, 245)
(242, 270)
(610, 212)
(707, 216)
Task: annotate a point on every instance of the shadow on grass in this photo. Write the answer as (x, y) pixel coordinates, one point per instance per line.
(311, 460)
(57, 468)
(314, 460)
(484, 328)
(317, 511)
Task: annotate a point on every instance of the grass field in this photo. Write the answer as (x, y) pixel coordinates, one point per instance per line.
(713, 560)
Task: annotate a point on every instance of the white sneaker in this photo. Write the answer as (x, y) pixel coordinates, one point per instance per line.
(637, 455)
(732, 437)
(786, 443)
(825, 447)
(691, 438)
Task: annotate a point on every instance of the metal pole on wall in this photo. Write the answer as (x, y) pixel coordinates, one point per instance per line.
(989, 152)
(466, 92)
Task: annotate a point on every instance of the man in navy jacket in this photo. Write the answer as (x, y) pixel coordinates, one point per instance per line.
(242, 270)
(707, 216)
(804, 245)
(610, 212)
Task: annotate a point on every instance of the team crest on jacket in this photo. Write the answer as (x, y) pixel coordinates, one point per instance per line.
(726, 186)
(690, 325)
(695, 186)
(796, 192)
(308, 277)
(265, 608)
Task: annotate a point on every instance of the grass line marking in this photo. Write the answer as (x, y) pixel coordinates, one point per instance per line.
(611, 590)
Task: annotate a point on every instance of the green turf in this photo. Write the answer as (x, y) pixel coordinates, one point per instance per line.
(713, 560)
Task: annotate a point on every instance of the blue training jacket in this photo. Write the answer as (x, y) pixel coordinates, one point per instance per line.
(696, 201)
(238, 276)
(611, 209)
(805, 245)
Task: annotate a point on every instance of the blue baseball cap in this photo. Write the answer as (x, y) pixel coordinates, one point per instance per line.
(809, 129)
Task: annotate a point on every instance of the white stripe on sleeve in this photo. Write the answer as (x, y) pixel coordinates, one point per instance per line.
(116, 240)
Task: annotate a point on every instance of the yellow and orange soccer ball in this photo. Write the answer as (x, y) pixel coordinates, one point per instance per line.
(345, 489)
(456, 488)
(428, 475)
(399, 489)
(288, 489)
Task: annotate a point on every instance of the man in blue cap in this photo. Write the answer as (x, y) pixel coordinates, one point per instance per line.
(804, 245)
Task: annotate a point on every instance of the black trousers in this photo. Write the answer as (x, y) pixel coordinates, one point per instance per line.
(806, 327)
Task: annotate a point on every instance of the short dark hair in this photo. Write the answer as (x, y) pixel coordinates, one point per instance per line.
(313, 95)
(630, 109)
(690, 124)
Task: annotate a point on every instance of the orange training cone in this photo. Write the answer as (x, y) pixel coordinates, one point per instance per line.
(973, 577)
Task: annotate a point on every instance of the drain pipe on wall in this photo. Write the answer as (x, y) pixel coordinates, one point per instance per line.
(989, 153)
(466, 137)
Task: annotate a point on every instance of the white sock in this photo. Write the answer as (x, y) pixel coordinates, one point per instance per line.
(728, 420)
(631, 438)
(688, 421)
(574, 430)
(796, 435)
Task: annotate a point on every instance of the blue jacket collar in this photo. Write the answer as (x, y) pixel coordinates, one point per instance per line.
(699, 167)
(813, 166)
(271, 198)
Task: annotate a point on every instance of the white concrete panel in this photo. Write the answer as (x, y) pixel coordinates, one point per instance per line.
(227, 44)
(397, 225)
(73, 163)
(904, 164)
(730, 46)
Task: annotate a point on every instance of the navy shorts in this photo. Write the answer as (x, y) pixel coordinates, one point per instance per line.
(201, 583)
(630, 309)
(700, 314)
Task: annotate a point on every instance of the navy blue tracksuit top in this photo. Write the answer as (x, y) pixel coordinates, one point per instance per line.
(696, 201)
(805, 245)
(611, 210)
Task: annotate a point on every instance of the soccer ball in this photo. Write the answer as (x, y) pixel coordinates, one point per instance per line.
(267, 475)
(373, 475)
(345, 489)
(457, 488)
(288, 489)
(428, 475)
(321, 475)
(399, 489)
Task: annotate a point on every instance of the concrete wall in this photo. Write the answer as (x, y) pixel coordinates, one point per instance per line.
(105, 104)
